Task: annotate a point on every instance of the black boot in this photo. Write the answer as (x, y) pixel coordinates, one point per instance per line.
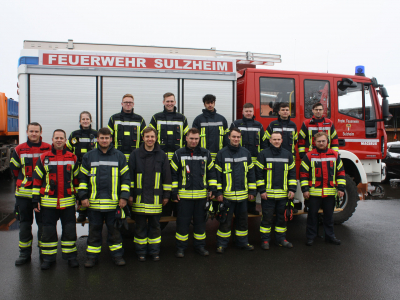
(46, 265)
(22, 259)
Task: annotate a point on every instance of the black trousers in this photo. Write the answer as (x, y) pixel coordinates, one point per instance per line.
(269, 207)
(186, 210)
(328, 206)
(25, 209)
(147, 234)
(49, 240)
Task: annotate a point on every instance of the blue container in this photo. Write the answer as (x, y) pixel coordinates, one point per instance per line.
(16, 108)
(16, 124)
(10, 124)
(9, 107)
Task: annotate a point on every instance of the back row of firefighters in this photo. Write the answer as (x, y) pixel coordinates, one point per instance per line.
(148, 166)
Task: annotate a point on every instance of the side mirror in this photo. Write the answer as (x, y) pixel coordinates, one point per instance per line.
(346, 83)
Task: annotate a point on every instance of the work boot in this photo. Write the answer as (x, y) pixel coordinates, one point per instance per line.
(310, 242)
(220, 250)
(22, 259)
(180, 253)
(285, 244)
(119, 261)
(247, 247)
(156, 257)
(333, 240)
(265, 245)
(141, 258)
(90, 262)
(202, 251)
(73, 263)
(46, 265)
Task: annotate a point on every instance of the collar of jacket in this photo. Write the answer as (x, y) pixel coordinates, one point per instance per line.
(165, 111)
(282, 121)
(87, 131)
(127, 114)
(195, 150)
(314, 120)
(110, 148)
(233, 148)
(55, 152)
(208, 113)
(275, 150)
(143, 152)
(31, 144)
(245, 120)
(322, 151)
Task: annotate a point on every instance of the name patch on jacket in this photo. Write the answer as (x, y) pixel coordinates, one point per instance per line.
(323, 159)
(170, 123)
(126, 123)
(284, 160)
(30, 155)
(104, 163)
(193, 157)
(283, 129)
(249, 129)
(239, 159)
(211, 124)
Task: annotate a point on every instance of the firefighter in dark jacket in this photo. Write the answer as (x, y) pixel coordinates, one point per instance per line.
(253, 139)
(22, 165)
(192, 174)
(236, 183)
(286, 127)
(104, 188)
(126, 127)
(171, 126)
(322, 178)
(316, 124)
(276, 183)
(150, 190)
(80, 142)
(54, 182)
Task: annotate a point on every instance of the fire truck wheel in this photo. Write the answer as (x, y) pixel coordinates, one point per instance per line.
(349, 202)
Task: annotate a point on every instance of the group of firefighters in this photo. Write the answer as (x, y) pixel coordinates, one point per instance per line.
(128, 168)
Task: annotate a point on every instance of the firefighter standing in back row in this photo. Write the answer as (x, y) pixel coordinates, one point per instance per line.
(253, 139)
(322, 179)
(126, 127)
(54, 182)
(236, 183)
(276, 183)
(22, 164)
(80, 142)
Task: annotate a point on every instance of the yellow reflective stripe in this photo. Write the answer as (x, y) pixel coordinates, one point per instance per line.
(159, 133)
(292, 182)
(15, 163)
(285, 179)
(48, 245)
(310, 138)
(218, 168)
(132, 184)
(192, 194)
(221, 137)
(260, 182)
(68, 250)
(269, 175)
(210, 165)
(93, 172)
(155, 241)
(125, 188)
(182, 238)
(156, 199)
(258, 164)
(167, 187)
(175, 184)
(304, 183)
(223, 234)
(212, 182)
(339, 166)
(313, 172)
(183, 162)
(157, 180)
(140, 241)
(186, 130)
(115, 247)
(83, 186)
(304, 165)
(241, 233)
(67, 243)
(123, 171)
(228, 177)
(52, 202)
(139, 180)
(173, 165)
(246, 170)
(265, 229)
(292, 165)
(93, 249)
(114, 183)
(49, 252)
(203, 137)
(334, 173)
(280, 229)
(25, 244)
(84, 171)
(199, 236)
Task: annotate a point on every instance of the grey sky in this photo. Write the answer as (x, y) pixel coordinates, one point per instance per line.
(310, 35)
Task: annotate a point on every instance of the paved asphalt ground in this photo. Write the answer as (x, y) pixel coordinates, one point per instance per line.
(365, 266)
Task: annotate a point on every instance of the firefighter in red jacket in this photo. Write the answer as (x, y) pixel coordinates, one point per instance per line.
(54, 181)
(316, 124)
(22, 164)
(322, 178)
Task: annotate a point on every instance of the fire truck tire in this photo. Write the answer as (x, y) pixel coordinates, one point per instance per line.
(349, 202)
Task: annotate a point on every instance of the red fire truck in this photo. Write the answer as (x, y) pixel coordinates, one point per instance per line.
(58, 80)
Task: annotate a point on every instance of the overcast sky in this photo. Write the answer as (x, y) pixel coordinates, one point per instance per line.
(317, 36)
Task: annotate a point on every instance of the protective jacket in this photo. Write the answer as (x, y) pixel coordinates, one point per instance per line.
(172, 128)
(288, 129)
(235, 173)
(253, 136)
(276, 172)
(82, 141)
(55, 179)
(104, 179)
(213, 128)
(126, 129)
(192, 173)
(322, 172)
(150, 179)
(23, 163)
(311, 127)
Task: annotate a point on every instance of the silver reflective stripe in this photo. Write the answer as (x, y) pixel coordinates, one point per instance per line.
(282, 129)
(193, 157)
(249, 129)
(60, 163)
(362, 140)
(87, 140)
(31, 155)
(319, 128)
(180, 123)
(211, 124)
(104, 163)
(323, 159)
(285, 160)
(239, 159)
(127, 123)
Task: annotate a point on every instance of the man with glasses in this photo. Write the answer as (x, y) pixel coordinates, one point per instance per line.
(126, 127)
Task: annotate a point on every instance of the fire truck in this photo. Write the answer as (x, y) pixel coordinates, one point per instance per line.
(58, 80)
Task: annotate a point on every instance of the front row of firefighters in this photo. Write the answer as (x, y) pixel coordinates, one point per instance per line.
(107, 183)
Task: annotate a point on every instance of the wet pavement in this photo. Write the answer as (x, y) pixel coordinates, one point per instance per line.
(365, 266)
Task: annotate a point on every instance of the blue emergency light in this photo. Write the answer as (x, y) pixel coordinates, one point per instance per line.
(360, 71)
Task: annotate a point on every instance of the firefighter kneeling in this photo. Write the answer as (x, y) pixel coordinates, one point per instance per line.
(276, 182)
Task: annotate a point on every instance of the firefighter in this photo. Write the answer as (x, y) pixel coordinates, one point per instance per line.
(22, 164)
(322, 178)
(150, 190)
(126, 127)
(286, 127)
(192, 174)
(276, 183)
(236, 183)
(54, 182)
(310, 127)
(104, 188)
(80, 142)
(253, 139)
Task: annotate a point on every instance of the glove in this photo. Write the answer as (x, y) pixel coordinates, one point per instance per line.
(306, 204)
(120, 219)
(207, 210)
(223, 209)
(289, 211)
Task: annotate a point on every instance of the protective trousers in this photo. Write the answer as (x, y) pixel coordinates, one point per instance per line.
(269, 208)
(94, 241)
(328, 205)
(49, 240)
(25, 210)
(251, 205)
(147, 234)
(186, 210)
(239, 208)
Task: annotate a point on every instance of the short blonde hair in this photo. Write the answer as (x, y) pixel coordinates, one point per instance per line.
(128, 96)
